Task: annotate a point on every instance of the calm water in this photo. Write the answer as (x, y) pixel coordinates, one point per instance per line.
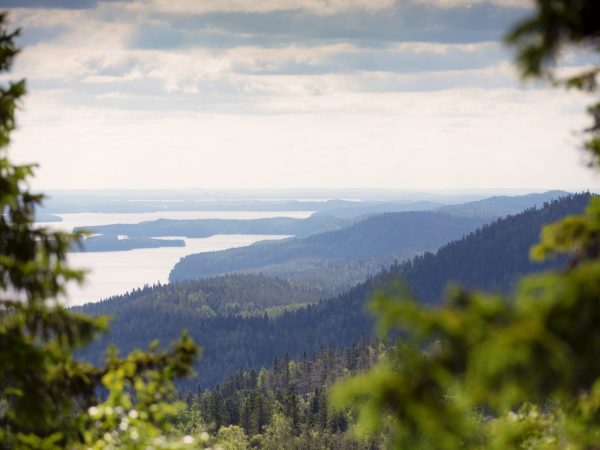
(113, 273)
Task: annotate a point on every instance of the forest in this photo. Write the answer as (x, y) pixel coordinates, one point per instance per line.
(338, 259)
(266, 327)
(284, 404)
(335, 260)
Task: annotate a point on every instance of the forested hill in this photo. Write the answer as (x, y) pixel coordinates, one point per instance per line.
(493, 256)
(502, 205)
(227, 295)
(200, 228)
(335, 260)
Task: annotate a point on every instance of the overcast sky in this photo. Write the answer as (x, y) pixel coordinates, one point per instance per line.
(409, 94)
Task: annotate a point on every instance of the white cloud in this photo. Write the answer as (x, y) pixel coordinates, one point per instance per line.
(320, 7)
(441, 48)
(254, 70)
(526, 4)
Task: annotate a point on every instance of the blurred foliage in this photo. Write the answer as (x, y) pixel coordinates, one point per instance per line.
(487, 372)
(48, 398)
(140, 404)
(232, 438)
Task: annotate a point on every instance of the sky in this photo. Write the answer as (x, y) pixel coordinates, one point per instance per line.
(234, 94)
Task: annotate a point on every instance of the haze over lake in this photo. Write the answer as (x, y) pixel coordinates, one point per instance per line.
(114, 273)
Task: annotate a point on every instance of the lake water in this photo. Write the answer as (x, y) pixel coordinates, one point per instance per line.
(114, 273)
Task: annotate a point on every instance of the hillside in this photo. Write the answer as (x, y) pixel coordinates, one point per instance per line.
(502, 205)
(335, 260)
(231, 341)
(201, 228)
(492, 258)
(228, 295)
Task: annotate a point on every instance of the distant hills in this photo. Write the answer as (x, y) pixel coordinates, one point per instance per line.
(500, 206)
(338, 259)
(125, 203)
(201, 228)
(319, 200)
(306, 263)
(335, 260)
(492, 257)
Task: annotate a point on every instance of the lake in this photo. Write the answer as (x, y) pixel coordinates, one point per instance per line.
(114, 273)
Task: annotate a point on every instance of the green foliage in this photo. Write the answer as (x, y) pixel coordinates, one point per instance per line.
(578, 236)
(140, 402)
(40, 382)
(555, 23)
(288, 399)
(278, 434)
(487, 356)
(232, 438)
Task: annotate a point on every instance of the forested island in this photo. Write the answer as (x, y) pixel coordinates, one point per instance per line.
(118, 243)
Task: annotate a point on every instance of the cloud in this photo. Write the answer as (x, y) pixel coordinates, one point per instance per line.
(524, 4)
(49, 4)
(318, 7)
(55, 4)
(403, 22)
(287, 93)
(222, 24)
(243, 78)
